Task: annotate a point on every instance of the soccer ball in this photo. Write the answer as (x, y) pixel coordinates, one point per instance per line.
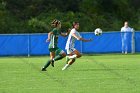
(98, 32)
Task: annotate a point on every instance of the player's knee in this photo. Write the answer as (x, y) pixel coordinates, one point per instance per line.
(78, 56)
(64, 54)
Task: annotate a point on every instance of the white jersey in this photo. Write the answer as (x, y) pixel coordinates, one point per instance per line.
(126, 29)
(71, 39)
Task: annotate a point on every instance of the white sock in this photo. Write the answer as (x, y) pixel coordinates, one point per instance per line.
(65, 67)
(73, 56)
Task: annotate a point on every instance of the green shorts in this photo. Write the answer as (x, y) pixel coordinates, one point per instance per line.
(57, 51)
(53, 49)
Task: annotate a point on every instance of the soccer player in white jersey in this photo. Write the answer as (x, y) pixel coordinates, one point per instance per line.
(125, 32)
(71, 51)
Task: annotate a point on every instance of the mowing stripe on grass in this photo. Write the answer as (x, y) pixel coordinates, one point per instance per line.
(127, 79)
(60, 81)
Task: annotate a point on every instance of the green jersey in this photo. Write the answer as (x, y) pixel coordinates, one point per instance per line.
(54, 38)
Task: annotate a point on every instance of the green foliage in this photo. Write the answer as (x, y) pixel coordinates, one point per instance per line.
(37, 25)
(137, 20)
(35, 16)
(9, 23)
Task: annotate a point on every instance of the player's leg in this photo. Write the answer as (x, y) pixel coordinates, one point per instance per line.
(70, 62)
(60, 54)
(125, 43)
(75, 54)
(123, 49)
(52, 55)
(72, 55)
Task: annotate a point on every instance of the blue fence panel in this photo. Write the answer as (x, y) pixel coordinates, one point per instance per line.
(38, 44)
(13, 45)
(62, 42)
(35, 44)
(107, 42)
(137, 41)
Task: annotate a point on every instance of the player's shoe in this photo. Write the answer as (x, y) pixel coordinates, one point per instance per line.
(65, 67)
(43, 69)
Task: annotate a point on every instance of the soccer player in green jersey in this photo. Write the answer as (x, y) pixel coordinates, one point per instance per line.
(55, 52)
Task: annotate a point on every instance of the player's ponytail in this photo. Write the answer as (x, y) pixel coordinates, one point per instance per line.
(55, 23)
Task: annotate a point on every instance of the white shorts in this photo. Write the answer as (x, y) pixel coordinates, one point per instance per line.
(70, 50)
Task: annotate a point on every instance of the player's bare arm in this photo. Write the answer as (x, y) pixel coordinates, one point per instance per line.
(67, 33)
(64, 34)
(82, 39)
(49, 36)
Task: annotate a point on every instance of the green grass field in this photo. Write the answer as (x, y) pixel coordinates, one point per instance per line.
(107, 73)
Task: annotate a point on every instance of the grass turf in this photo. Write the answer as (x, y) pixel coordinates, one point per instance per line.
(108, 73)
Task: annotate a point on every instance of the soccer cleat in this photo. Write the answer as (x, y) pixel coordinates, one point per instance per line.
(43, 69)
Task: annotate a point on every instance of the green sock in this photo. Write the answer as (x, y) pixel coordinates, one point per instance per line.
(47, 64)
(67, 59)
(58, 57)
